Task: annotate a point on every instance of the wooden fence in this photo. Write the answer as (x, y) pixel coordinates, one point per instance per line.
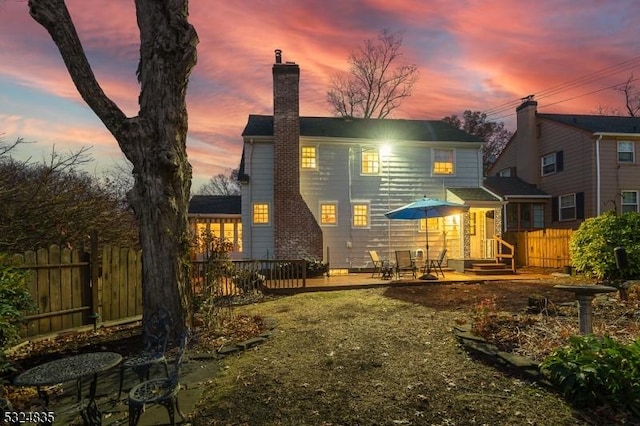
(75, 288)
(547, 248)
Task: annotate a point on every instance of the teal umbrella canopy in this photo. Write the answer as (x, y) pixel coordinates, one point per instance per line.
(425, 208)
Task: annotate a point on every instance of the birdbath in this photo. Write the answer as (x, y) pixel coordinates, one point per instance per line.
(585, 295)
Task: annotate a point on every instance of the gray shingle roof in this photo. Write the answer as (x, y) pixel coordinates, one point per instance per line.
(214, 204)
(597, 123)
(473, 194)
(512, 187)
(360, 128)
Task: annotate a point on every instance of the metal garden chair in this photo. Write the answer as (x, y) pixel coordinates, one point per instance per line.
(159, 391)
(157, 331)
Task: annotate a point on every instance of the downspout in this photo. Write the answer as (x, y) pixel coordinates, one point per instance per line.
(598, 174)
(249, 207)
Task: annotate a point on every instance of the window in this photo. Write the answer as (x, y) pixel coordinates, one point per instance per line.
(629, 201)
(360, 215)
(443, 160)
(370, 162)
(260, 214)
(521, 216)
(308, 158)
(430, 224)
(567, 205)
(473, 223)
(548, 164)
(505, 172)
(328, 214)
(626, 152)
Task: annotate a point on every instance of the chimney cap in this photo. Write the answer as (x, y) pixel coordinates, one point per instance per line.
(278, 56)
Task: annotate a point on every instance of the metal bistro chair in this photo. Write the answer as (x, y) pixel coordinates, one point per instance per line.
(159, 391)
(157, 330)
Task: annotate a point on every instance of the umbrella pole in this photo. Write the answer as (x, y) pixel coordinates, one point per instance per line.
(427, 275)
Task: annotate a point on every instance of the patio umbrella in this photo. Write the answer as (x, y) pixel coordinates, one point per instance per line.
(425, 208)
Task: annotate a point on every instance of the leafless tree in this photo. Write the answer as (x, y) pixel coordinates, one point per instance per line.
(221, 184)
(493, 133)
(631, 100)
(51, 202)
(376, 84)
(154, 141)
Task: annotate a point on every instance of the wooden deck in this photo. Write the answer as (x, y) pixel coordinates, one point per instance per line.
(364, 280)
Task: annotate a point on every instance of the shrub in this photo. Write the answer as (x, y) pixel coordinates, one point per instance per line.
(592, 245)
(15, 300)
(596, 371)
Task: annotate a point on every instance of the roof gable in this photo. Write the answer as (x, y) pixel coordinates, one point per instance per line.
(361, 128)
(512, 187)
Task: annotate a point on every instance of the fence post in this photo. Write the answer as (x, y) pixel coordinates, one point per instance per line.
(94, 259)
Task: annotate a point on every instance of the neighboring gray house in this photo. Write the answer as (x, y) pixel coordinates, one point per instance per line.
(579, 165)
(318, 187)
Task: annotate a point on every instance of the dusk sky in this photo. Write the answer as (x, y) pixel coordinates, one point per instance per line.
(478, 55)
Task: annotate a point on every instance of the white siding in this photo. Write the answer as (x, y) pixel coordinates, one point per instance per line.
(257, 240)
(405, 176)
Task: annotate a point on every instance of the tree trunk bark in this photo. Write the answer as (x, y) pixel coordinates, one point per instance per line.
(154, 141)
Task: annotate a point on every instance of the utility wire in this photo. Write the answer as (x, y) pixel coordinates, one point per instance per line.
(581, 81)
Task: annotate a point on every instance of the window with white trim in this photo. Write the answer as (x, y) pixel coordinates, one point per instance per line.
(505, 172)
(260, 213)
(328, 213)
(567, 207)
(626, 152)
(309, 158)
(360, 215)
(370, 162)
(429, 223)
(443, 161)
(548, 164)
(629, 201)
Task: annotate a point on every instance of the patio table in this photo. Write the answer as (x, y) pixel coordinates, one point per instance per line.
(71, 368)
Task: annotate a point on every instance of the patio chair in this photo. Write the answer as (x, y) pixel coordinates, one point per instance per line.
(436, 264)
(404, 263)
(159, 391)
(377, 263)
(157, 331)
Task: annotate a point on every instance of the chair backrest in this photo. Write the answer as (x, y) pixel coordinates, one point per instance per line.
(374, 256)
(441, 256)
(157, 331)
(174, 377)
(403, 258)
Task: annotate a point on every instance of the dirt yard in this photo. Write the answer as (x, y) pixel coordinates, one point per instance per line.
(384, 356)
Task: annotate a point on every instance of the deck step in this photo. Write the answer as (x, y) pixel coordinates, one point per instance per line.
(488, 265)
(500, 270)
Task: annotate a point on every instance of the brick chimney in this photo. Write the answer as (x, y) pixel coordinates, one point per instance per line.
(527, 155)
(296, 231)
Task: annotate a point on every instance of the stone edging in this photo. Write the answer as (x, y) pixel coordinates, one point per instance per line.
(517, 364)
(232, 348)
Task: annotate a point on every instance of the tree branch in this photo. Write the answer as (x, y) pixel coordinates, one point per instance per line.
(54, 16)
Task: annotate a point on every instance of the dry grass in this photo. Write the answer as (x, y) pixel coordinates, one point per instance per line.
(362, 358)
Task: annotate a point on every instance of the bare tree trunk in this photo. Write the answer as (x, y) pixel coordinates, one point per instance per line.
(154, 141)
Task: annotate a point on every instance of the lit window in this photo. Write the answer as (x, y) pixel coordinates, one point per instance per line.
(430, 223)
(328, 214)
(215, 229)
(260, 213)
(629, 201)
(626, 152)
(473, 223)
(443, 162)
(360, 215)
(309, 157)
(548, 164)
(239, 240)
(370, 162)
(567, 207)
